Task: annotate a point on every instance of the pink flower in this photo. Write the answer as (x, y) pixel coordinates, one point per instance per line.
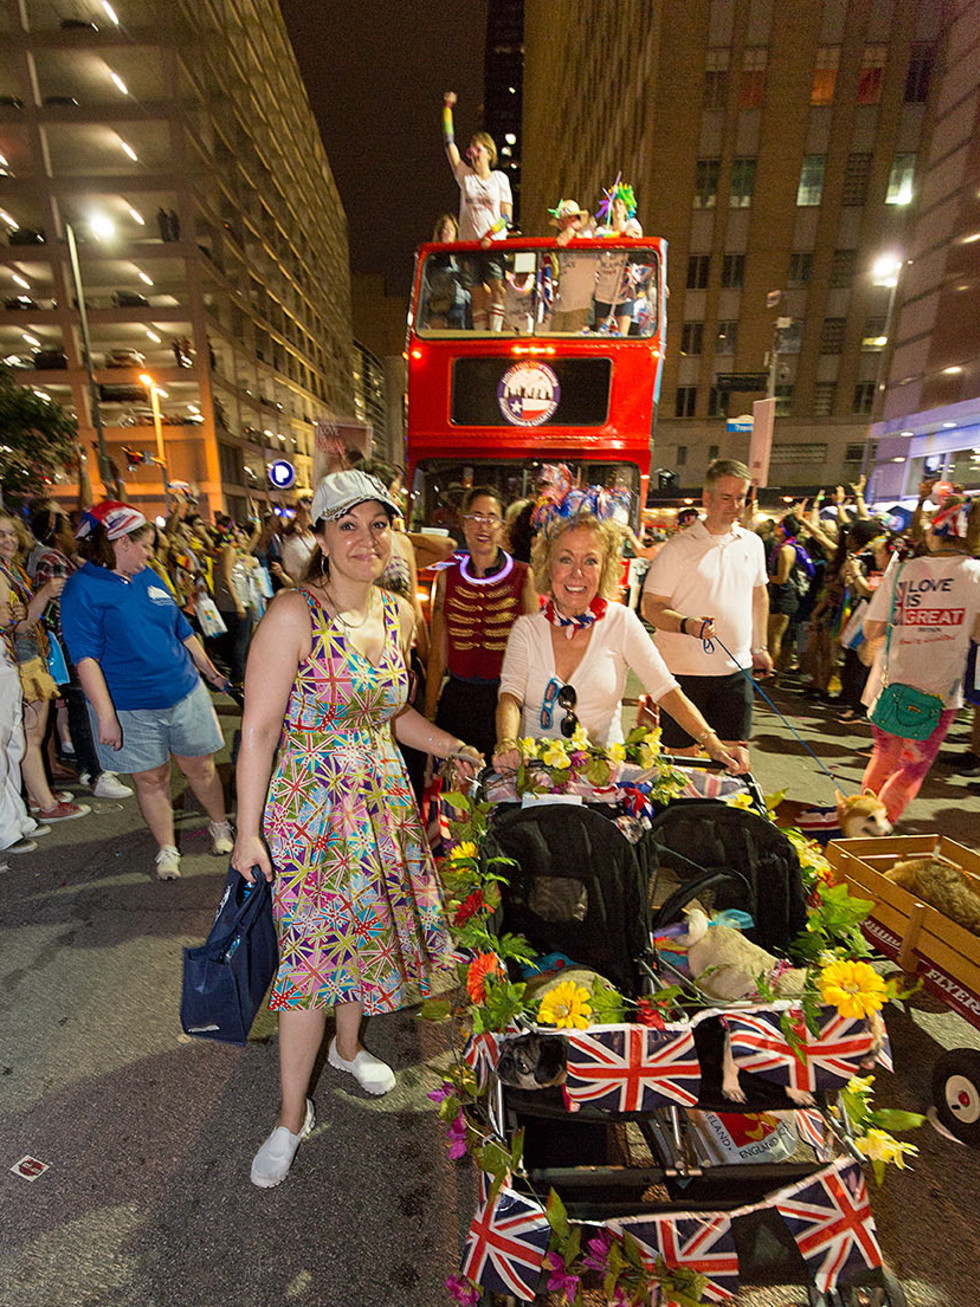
(561, 1280)
(442, 1093)
(457, 1137)
(597, 1258)
(463, 1290)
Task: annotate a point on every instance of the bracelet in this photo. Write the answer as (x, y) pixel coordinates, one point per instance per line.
(700, 739)
(499, 225)
(447, 125)
(683, 627)
(504, 745)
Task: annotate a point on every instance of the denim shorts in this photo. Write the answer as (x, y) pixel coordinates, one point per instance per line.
(150, 735)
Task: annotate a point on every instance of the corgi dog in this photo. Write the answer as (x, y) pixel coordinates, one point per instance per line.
(855, 817)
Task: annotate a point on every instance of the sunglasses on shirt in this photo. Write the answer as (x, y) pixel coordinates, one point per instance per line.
(565, 698)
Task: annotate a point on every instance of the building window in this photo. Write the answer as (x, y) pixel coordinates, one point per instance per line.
(692, 336)
(919, 74)
(733, 271)
(856, 176)
(874, 339)
(798, 273)
(713, 449)
(842, 268)
(706, 183)
(727, 341)
(717, 408)
(791, 337)
(810, 189)
(825, 75)
(784, 401)
(864, 397)
(681, 459)
(872, 74)
(824, 394)
(854, 452)
(715, 88)
(793, 454)
(832, 335)
(900, 180)
(743, 183)
(698, 266)
(752, 83)
(685, 400)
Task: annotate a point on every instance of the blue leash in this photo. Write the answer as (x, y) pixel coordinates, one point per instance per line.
(708, 645)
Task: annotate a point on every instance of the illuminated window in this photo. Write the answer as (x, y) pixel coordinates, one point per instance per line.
(733, 271)
(919, 74)
(900, 180)
(874, 338)
(706, 183)
(685, 401)
(857, 173)
(698, 266)
(832, 335)
(864, 395)
(825, 75)
(872, 74)
(798, 273)
(810, 190)
(743, 183)
(692, 336)
(727, 341)
(842, 268)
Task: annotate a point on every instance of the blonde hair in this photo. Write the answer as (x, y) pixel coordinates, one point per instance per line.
(610, 540)
(441, 222)
(484, 138)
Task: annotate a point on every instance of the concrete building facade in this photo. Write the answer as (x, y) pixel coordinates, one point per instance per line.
(176, 141)
(780, 150)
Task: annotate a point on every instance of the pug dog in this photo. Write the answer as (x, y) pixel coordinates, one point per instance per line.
(532, 1061)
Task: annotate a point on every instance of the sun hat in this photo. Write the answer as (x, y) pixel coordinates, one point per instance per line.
(339, 492)
(117, 518)
(567, 209)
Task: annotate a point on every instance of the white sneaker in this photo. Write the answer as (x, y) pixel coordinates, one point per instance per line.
(109, 786)
(271, 1163)
(222, 839)
(168, 863)
(370, 1072)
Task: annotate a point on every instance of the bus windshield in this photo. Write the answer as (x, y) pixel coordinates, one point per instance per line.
(586, 289)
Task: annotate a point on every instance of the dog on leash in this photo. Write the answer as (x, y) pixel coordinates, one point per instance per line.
(854, 817)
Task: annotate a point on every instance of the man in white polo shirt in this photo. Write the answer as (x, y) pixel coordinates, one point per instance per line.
(710, 581)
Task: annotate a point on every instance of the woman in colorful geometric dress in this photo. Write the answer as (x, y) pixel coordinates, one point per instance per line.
(356, 903)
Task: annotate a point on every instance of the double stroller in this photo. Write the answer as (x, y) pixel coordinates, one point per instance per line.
(637, 1134)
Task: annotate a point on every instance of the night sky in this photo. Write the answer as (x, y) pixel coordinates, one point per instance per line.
(375, 71)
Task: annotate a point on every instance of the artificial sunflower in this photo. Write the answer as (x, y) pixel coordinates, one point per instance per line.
(566, 1006)
(484, 965)
(854, 988)
(463, 852)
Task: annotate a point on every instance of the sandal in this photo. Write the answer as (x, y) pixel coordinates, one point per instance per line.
(850, 717)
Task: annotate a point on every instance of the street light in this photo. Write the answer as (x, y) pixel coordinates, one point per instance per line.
(885, 271)
(155, 392)
(105, 467)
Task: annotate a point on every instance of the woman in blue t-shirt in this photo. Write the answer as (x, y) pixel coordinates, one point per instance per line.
(140, 665)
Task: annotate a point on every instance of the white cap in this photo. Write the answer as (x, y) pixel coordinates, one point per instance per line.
(339, 492)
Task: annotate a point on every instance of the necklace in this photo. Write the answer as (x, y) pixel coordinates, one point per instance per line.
(350, 626)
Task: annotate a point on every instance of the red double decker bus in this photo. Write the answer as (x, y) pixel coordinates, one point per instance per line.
(573, 376)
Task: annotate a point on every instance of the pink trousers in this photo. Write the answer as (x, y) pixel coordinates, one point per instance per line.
(898, 767)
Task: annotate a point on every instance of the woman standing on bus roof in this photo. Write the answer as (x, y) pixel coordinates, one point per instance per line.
(485, 210)
(614, 292)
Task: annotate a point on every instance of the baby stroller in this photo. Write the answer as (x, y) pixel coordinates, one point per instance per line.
(640, 1138)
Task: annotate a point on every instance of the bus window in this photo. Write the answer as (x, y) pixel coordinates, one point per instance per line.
(575, 280)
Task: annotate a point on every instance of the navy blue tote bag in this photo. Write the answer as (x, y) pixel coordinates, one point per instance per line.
(226, 978)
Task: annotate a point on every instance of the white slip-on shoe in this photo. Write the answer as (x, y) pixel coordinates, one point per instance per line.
(168, 863)
(370, 1072)
(271, 1163)
(222, 838)
(109, 786)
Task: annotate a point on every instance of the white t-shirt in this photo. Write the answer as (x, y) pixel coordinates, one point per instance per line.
(576, 280)
(618, 643)
(938, 603)
(705, 575)
(480, 201)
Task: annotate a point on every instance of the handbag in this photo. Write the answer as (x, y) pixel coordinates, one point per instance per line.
(900, 709)
(212, 623)
(57, 663)
(226, 978)
(853, 633)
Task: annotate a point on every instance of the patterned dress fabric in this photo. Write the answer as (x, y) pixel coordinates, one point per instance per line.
(357, 903)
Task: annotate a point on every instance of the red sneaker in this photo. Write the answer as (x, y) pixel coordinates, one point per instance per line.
(64, 812)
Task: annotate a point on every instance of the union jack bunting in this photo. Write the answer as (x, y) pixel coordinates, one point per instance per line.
(830, 1218)
(633, 1068)
(812, 1128)
(506, 1245)
(481, 1054)
(705, 1244)
(831, 1057)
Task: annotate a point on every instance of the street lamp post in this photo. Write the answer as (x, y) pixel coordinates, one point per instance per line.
(154, 392)
(105, 467)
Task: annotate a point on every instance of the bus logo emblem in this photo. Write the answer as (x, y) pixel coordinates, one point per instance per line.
(528, 394)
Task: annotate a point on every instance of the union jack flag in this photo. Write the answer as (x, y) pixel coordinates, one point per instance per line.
(633, 1068)
(831, 1058)
(481, 1054)
(705, 1244)
(830, 1218)
(813, 1129)
(506, 1245)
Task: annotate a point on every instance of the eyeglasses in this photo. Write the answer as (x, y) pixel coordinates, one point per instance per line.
(483, 519)
(565, 698)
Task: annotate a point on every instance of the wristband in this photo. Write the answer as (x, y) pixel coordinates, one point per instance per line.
(700, 739)
(447, 125)
(683, 626)
(499, 225)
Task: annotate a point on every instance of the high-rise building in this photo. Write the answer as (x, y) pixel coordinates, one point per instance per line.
(175, 141)
(503, 88)
(779, 149)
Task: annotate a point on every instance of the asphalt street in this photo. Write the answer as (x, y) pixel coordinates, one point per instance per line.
(148, 1136)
